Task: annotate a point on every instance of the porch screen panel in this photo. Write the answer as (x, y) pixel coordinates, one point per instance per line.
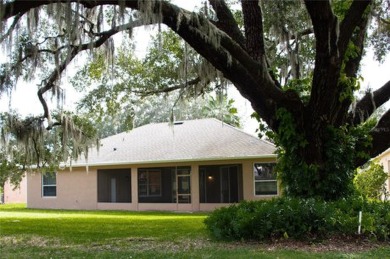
(156, 185)
(114, 185)
(164, 185)
(183, 184)
(220, 183)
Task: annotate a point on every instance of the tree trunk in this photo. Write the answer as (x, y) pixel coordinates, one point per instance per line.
(317, 159)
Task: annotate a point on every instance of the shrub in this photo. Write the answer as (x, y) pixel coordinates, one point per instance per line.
(299, 219)
(371, 182)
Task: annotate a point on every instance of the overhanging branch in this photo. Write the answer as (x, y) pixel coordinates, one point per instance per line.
(11, 28)
(369, 103)
(253, 21)
(226, 21)
(168, 89)
(380, 139)
(352, 19)
(49, 83)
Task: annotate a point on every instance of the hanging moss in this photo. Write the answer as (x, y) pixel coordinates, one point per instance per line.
(47, 149)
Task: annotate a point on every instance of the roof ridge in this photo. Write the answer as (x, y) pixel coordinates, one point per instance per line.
(194, 120)
(242, 131)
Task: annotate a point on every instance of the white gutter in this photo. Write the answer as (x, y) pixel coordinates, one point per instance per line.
(171, 161)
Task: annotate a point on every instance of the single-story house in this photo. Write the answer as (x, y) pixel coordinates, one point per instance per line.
(195, 165)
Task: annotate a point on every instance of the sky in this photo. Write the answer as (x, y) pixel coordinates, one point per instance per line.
(25, 100)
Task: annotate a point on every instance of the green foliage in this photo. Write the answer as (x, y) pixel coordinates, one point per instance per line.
(302, 219)
(289, 59)
(26, 145)
(297, 178)
(123, 234)
(330, 180)
(9, 170)
(221, 108)
(135, 92)
(370, 182)
(301, 86)
(340, 7)
(349, 85)
(380, 29)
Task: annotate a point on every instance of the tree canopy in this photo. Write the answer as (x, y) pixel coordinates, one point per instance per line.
(150, 89)
(297, 62)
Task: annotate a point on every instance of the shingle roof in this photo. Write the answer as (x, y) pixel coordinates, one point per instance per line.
(193, 140)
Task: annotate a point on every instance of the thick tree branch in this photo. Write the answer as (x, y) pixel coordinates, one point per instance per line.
(331, 43)
(352, 65)
(369, 103)
(20, 7)
(322, 17)
(168, 89)
(11, 28)
(352, 19)
(380, 139)
(323, 96)
(251, 77)
(381, 135)
(253, 22)
(226, 21)
(385, 21)
(49, 83)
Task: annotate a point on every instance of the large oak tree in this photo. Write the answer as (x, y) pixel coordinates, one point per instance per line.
(322, 133)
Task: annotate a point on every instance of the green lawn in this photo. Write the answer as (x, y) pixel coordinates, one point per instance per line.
(29, 233)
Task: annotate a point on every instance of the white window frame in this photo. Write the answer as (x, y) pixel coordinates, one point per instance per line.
(48, 185)
(263, 181)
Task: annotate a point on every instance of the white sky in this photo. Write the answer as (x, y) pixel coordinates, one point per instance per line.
(25, 100)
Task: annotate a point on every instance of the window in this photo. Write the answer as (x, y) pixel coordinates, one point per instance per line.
(114, 185)
(149, 183)
(49, 185)
(265, 179)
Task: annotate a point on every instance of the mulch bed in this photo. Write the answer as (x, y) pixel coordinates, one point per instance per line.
(340, 243)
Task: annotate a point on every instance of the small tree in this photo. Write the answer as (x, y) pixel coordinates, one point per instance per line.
(371, 182)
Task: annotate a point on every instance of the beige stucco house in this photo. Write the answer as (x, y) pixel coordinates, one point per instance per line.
(384, 160)
(15, 194)
(195, 165)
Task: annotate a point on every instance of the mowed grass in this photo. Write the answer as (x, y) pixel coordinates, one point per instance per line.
(30, 233)
(84, 227)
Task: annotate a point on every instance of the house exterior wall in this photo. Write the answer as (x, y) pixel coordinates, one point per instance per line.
(77, 189)
(384, 160)
(18, 195)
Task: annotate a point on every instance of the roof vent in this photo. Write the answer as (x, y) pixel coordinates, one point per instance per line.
(178, 122)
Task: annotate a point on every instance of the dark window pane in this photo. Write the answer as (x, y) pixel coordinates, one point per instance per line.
(266, 188)
(184, 186)
(49, 188)
(49, 179)
(264, 171)
(49, 191)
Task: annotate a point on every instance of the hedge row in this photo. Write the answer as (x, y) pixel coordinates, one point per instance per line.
(300, 219)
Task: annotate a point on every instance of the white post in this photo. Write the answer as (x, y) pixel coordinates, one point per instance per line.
(360, 222)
